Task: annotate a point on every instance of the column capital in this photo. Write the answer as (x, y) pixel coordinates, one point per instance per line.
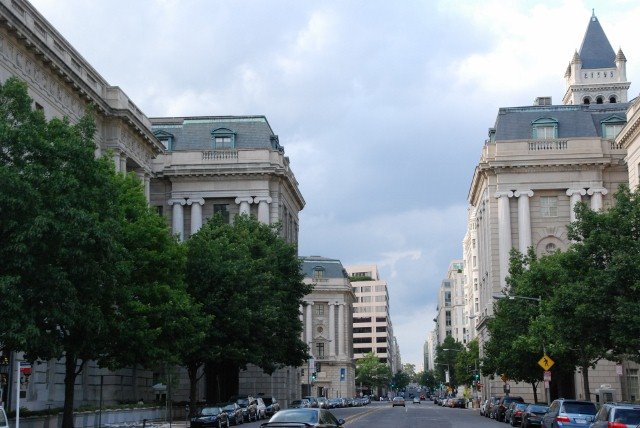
(192, 201)
(259, 199)
(508, 194)
(519, 193)
(571, 192)
(600, 190)
(180, 201)
(247, 199)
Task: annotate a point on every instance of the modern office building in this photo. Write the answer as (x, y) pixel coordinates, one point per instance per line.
(327, 317)
(372, 326)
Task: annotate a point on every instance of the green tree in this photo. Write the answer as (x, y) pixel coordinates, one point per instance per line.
(446, 354)
(401, 379)
(69, 228)
(371, 372)
(428, 379)
(466, 363)
(410, 370)
(249, 281)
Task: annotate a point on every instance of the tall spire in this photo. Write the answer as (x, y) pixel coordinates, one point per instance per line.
(596, 51)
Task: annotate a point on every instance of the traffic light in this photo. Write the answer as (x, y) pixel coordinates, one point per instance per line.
(313, 377)
(477, 376)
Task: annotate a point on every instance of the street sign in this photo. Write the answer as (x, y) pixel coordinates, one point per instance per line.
(504, 378)
(547, 376)
(546, 362)
(25, 368)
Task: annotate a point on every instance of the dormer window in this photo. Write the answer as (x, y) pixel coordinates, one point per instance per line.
(165, 138)
(223, 139)
(612, 126)
(318, 272)
(545, 128)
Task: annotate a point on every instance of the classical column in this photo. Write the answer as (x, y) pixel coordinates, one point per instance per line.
(196, 213)
(309, 325)
(178, 217)
(123, 163)
(332, 328)
(301, 315)
(524, 219)
(504, 234)
(147, 187)
(263, 208)
(341, 338)
(116, 160)
(596, 194)
(244, 204)
(575, 196)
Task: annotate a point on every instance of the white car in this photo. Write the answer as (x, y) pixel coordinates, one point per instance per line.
(416, 400)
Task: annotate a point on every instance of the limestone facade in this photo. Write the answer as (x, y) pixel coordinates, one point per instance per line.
(328, 320)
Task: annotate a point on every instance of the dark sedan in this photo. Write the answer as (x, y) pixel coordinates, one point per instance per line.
(304, 418)
(210, 417)
(513, 415)
(532, 415)
(234, 413)
(272, 405)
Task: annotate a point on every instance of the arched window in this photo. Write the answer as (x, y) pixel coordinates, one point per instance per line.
(586, 100)
(544, 128)
(612, 99)
(550, 247)
(599, 100)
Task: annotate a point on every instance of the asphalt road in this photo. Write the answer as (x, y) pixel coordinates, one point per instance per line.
(425, 414)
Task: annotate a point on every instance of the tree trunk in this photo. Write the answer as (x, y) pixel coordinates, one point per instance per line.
(222, 381)
(192, 369)
(535, 391)
(71, 361)
(585, 380)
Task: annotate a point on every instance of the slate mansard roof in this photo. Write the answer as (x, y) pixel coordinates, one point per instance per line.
(195, 133)
(596, 51)
(574, 121)
(332, 267)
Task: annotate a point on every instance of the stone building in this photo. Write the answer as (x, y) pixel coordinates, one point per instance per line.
(538, 162)
(191, 167)
(328, 319)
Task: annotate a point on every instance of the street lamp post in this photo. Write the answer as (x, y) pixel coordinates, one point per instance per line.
(544, 348)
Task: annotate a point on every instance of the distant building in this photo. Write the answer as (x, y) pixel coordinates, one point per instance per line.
(372, 326)
(328, 317)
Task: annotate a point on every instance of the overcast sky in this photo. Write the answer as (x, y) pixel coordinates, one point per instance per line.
(382, 106)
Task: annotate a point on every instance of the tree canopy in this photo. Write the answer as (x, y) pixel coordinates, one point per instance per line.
(371, 372)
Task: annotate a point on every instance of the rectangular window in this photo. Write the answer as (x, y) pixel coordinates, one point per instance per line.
(381, 350)
(361, 350)
(549, 206)
(381, 298)
(361, 340)
(362, 330)
(633, 384)
(381, 329)
(320, 350)
(319, 309)
(223, 143)
(544, 132)
(361, 320)
(381, 288)
(474, 261)
(223, 210)
(366, 289)
(381, 319)
(611, 131)
(381, 339)
(365, 299)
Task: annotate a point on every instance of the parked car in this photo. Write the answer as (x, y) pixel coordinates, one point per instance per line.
(304, 418)
(300, 404)
(532, 415)
(261, 408)
(504, 402)
(416, 400)
(313, 401)
(569, 414)
(323, 403)
(483, 407)
(617, 415)
(513, 415)
(249, 408)
(272, 405)
(4, 422)
(334, 403)
(397, 401)
(210, 417)
(234, 412)
(493, 405)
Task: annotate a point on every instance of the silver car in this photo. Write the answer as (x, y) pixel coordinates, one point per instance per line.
(618, 415)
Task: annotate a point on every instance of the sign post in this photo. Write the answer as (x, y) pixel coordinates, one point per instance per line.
(546, 362)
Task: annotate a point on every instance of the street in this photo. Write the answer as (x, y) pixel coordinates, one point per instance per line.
(426, 413)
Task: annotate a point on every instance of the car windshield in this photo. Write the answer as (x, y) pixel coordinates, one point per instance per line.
(210, 411)
(243, 402)
(538, 409)
(580, 408)
(267, 400)
(229, 407)
(628, 416)
(302, 415)
(521, 406)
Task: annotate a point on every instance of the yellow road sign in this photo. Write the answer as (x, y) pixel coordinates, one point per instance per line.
(546, 362)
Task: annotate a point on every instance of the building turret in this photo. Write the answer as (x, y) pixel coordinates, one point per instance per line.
(596, 74)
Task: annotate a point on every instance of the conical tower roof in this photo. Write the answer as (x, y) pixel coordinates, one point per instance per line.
(596, 51)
